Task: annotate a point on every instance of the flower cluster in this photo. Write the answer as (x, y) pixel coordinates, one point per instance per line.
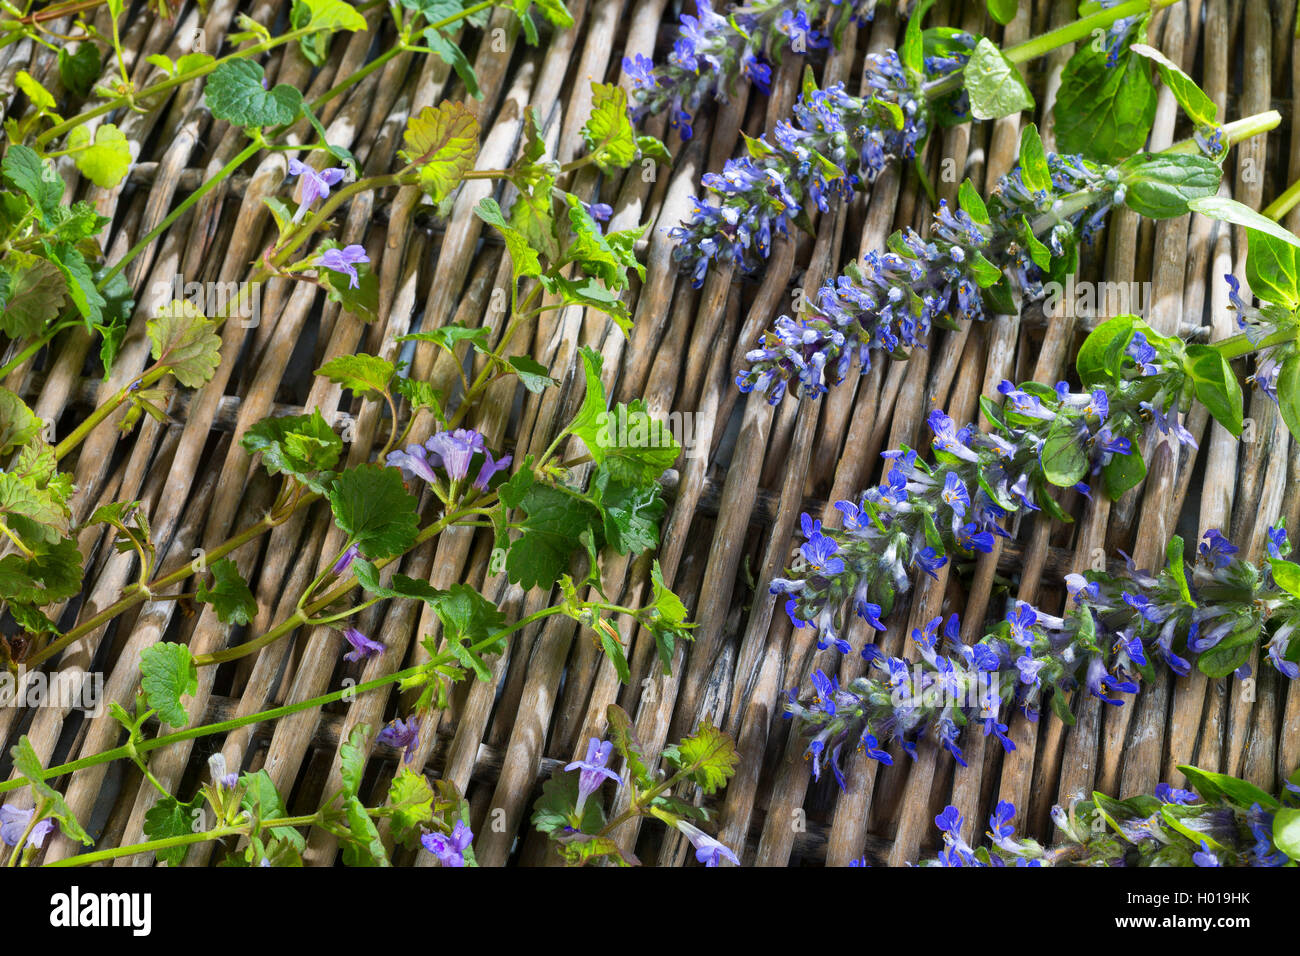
(923, 513)
(833, 143)
(1259, 324)
(1114, 631)
(711, 51)
(893, 297)
(453, 452)
(1174, 827)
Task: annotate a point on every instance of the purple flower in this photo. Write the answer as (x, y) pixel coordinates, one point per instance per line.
(1216, 550)
(819, 551)
(707, 850)
(345, 260)
(14, 823)
(413, 461)
(220, 776)
(402, 734)
(314, 185)
(362, 646)
(490, 467)
(1205, 857)
(345, 559)
(455, 450)
(594, 771)
(1170, 794)
(1277, 544)
(450, 850)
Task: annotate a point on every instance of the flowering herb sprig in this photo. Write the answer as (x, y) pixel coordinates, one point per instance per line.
(1221, 821)
(1113, 634)
(835, 142)
(1042, 437)
(1029, 231)
(574, 819)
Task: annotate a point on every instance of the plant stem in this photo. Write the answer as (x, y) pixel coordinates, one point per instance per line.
(1054, 39)
(1284, 203)
(166, 843)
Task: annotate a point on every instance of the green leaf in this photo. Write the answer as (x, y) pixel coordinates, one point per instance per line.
(523, 257)
(229, 594)
(1104, 112)
(1216, 787)
(361, 374)
(606, 257)
(1065, 460)
(1287, 575)
(622, 734)
(184, 340)
(334, 15)
(631, 513)
(303, 446)
(104, 161)
(363, 300)
(1286, 831)
(263, 803)
(554, 523)
(33, 290)
(170, 818)
(467, 616)
(410, 805)
(667, 618)
(555, 808)
(449, 336)
(1178, 569)
(608, 132)
(442, 141)
(1102, 352)
(35, 177)
(1033, 160)
(1199, 108)
(1273, 269)
(1229, 210)
(168, 673)
(18, 423)
(708, 756)
(994, 84)
(81, 284)
(450, 53)
(374, 510)
(1121, 473)
(634, 447)
(352, 759)
(614, 651)
(533, 375)
(28, 765)
(78, 71)
(52, 574)
(1003, 11)
(399, 586)
(1288, 393)
(235, 93)
(1162, 186)
(1216, 385)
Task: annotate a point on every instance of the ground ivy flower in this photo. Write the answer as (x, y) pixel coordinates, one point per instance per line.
(345, 260)
(402, 735)
(414, 461)
(345, 559)
(489, 468)
(220, 776)
(14, 823)
(707, 849)
(594, 772)
(362, 646)
(315, 186)
(454, 450)
(449, 849)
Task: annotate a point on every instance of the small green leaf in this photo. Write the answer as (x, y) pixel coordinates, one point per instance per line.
(28, 765)
(1287, 575)
(442, 141)
(235, 93)
(1162, 186)
(1286, 831)
(1273, 269)
(170, 818)
(533, 375)
(106, 159)
(229, 594)
(1229, 210)
(1198, 106)
(168, 673)
(361, 374)
(352, 759)
(182, 339)
(410, 805)
(1003, 11)
(1065, 460)
(994, 84)
(374, 510)
(1216, 385)
(1104, 111)
(608, 132)
(1033, 159)
(303, 446)
(708, 756)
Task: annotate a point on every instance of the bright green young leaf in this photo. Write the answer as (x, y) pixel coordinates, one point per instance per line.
(1198, 106)
(1216, 385)
(104, 161)
(1273, 269)
(303, 446)
(608, 133)
(361, 374)
(994, 84)
(168, 673)
(1161, 186)
(708, 756)
(442, 141)
(182, 339)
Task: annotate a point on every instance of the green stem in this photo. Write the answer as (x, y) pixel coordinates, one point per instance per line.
(1240, 344)
(172, 82)
(1054, 39)
(1284, 203)
(166, 843)
(179, 211)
